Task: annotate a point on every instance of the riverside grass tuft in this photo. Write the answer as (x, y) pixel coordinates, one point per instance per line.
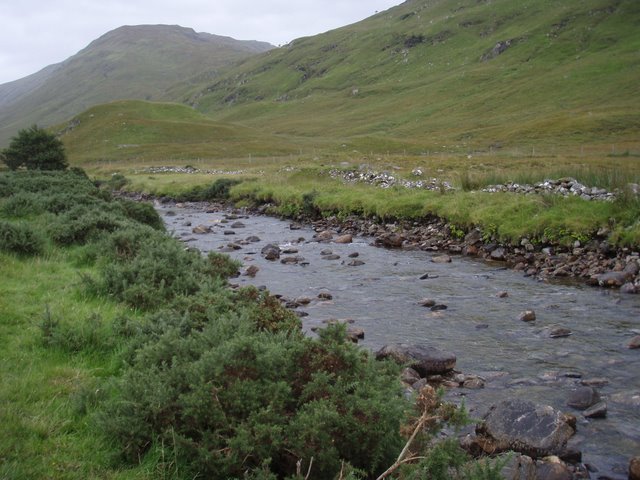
(105, 377)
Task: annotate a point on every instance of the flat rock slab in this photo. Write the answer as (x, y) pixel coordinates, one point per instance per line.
(525, 427)
(425, 360)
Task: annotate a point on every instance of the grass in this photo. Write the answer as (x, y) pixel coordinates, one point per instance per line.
(46, 391)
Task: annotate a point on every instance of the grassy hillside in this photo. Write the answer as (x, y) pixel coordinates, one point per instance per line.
(453, 75)
(132, 62)
(138, 132)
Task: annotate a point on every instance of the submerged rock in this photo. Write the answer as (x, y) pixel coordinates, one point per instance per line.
(271, 252)
(583, 398)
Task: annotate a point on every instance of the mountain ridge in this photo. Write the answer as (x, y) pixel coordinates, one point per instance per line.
(130, 62)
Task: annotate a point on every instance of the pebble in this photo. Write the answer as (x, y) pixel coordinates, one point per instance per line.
(325, 296)
(441, 259)
(560, 332)
(599, 410)
(428, 302)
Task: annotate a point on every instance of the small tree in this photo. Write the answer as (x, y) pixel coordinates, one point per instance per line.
(35, 149)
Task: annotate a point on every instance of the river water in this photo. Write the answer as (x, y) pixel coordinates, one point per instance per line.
(516, 358)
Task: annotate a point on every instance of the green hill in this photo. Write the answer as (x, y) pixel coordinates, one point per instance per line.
(454, 75)
(131, 62)
(141, 132)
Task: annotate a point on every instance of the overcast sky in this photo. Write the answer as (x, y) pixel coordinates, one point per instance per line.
(37, 33)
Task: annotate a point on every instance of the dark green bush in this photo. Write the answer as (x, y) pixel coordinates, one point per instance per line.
(83, 223)
(20, 238)
(35, 149)
(228, 398)
(23, 204)
(142, 212)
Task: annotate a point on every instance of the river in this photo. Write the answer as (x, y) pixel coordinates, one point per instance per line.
(517, 359)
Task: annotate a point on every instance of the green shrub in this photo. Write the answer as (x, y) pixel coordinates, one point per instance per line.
(83, 223)
(218, 190)
(35, 149)
(20, 238)
(142, 212)
(230, 399)
(23, 204)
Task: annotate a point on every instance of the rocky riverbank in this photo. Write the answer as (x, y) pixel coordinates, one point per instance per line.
(595, 262)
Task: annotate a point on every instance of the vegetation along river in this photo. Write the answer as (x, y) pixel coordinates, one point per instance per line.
(382, 293)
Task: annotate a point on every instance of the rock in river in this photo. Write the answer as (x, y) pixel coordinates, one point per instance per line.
(425, 360)
(583, 398)
(525, 427)
(271, 252)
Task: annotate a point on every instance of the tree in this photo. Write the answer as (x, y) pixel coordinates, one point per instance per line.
(35, 149)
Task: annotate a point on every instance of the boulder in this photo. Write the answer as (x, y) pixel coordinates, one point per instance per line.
(271, 252)
(527, 316)
(525, 427)
(634, 343)
(614, 279)
(344, 239)
(423, 359)
(583, 398)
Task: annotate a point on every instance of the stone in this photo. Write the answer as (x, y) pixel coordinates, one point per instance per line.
(532, 429)
(291, 260)
(441, 259)
(473, 383)
(325, 296)
(390, 240)
(271, 252)
(354, 255)
(553, 471)
(634, 468)
(438, 307)
(201, 229)
(424, 359)
(253, 239)
(355, 334)
(238, 225)
(527, 316)
(428, 302)
(498, 254)
(559, 332)
(634, 343)
(409, 375)
(326, 251)
(229, 232)
(344, 239)
(473, 237)
(355, 263)
(323, 236)
(331, 257)
(613, 279)
(502, 294)
(629, 288)
(251, 271)
(599, 410)
(303, 300)
(583, 398)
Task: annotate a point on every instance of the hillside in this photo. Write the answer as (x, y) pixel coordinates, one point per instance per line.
(455, 75)
(131, 62)
(150, 132)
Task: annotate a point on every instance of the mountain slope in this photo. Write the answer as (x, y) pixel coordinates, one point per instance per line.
(139, 131)
(468, 74)
(131, 62)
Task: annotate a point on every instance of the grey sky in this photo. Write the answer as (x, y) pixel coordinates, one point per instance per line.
(37, 33)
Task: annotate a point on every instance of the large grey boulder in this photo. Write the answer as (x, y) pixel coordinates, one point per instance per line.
(525, 427)
(423, 359)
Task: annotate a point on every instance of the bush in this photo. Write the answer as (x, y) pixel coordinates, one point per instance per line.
(83, 223)
(218, 190)
(35, 149)
(23, 204)
(142, 212)
(20, 238)
(230, 400)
